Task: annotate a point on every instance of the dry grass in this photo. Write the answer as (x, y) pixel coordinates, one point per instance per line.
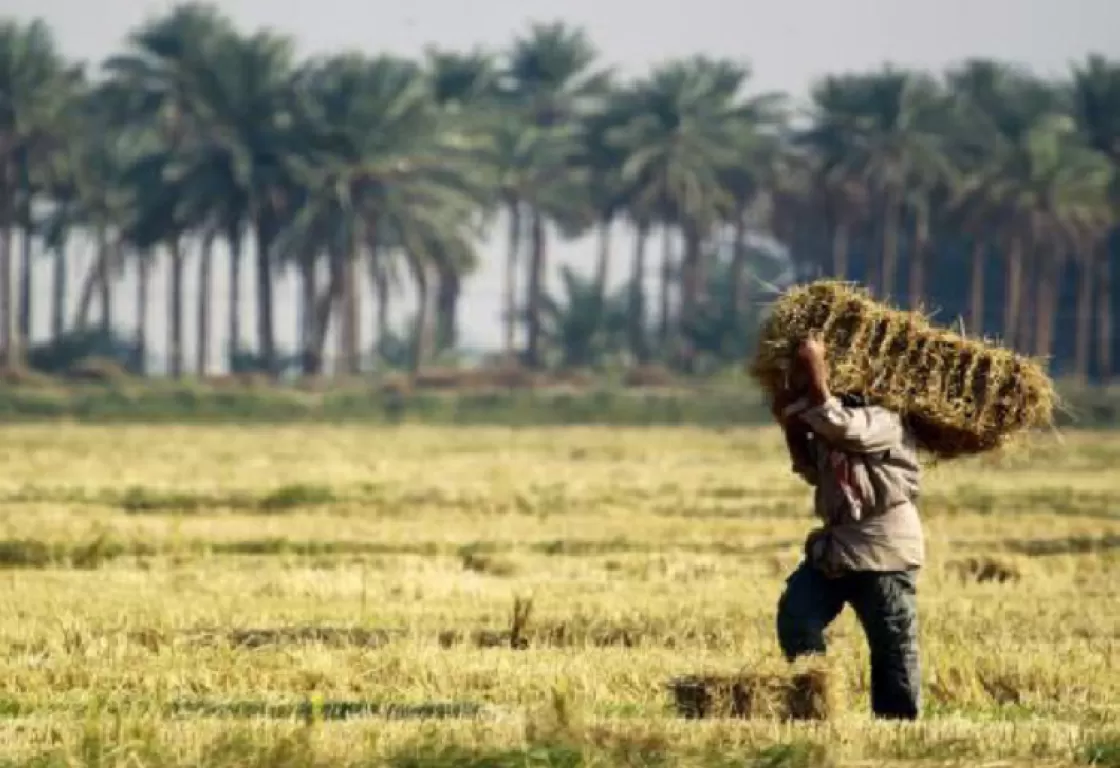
(788, 694)
(965, 396)
(499, 597)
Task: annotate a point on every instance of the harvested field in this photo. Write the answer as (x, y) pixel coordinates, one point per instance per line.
(313, 596)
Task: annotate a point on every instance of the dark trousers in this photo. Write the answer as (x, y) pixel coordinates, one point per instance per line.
(886, 606)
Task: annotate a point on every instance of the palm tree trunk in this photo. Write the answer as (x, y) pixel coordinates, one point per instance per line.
(9, 320)
(143, 283)
(1013, 291)
(918, 258)
(351, 308)
(1049, 270)
(1104, 318)
(95, 277)
(205, 263)
(637, 309)
(233, 237)
(890, 244)
(447, 308)
(1024, 335)
(308, 292)
(509, 293)
(420, 331)
(536, 289)
(739, 267)
(176, 248)
(104, 279)
(58, 289)
(264, 298)
(690, 294)
(85, 296)
(381, 286)
(323, 306)
(25, 277)
(666, 285)
(690, 273)
(1083, 337)
(703, 269)
(602, 262)
(976, 289)
(840, 242)
(22, 168)
(341, 362)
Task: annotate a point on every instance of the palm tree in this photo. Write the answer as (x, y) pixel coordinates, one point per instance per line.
(993, 105)
(896, 147)
(385, 156)
(1096, 87)
(241, 159)
(1028, 177)
(759, 153)
(825, 155)
(160, 218)
(537, 170)
(683, 136)
(220, 99)
(1067, 191)
(98, 160)
(36, 94)
(606, 192)
(156, 86)
(466, 87)
(552, 82)
(314, 233)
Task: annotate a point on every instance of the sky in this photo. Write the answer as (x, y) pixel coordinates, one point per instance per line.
(787, 42)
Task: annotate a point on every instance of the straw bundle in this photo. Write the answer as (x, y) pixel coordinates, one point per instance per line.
(804, 695)
(962, 396)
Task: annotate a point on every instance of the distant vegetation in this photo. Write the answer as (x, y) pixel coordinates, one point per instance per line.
(984, 191)
(639, 396)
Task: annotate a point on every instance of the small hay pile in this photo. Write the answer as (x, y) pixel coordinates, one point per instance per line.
(808, 694)
(962, 396)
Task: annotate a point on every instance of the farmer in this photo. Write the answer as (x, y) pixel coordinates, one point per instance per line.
(863, 465)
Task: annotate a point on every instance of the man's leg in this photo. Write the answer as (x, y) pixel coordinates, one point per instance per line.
(807, 606)
(887, 608)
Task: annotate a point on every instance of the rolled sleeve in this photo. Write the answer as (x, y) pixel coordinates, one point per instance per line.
(860, 430)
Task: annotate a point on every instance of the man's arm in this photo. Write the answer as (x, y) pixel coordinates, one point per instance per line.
(858, 430)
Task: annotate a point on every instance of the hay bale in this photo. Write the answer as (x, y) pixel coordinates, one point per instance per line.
(963, 396)
(807, 694)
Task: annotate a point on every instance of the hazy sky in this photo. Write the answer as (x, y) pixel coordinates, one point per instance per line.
(788, 42)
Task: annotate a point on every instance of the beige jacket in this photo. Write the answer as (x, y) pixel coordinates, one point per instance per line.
(863, 465)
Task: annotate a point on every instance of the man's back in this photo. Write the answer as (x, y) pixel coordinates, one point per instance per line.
(863, 464)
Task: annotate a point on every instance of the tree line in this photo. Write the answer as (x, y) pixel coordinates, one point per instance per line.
(985, 190)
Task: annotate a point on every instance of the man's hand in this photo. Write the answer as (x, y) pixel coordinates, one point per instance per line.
(812, 350)
(812, 354)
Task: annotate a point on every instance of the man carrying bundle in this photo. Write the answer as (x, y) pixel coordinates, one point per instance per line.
(862, 462)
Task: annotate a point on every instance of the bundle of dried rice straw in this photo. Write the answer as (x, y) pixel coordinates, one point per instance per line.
(963, 396)
(804, 692)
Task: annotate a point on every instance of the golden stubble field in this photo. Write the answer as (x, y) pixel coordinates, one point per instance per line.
(331, 596)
